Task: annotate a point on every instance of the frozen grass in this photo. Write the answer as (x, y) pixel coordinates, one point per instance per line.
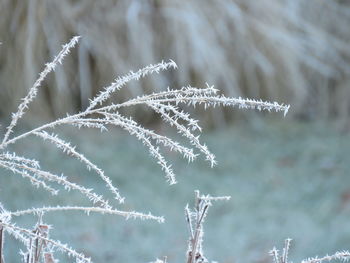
(102, 114)
(286, 179)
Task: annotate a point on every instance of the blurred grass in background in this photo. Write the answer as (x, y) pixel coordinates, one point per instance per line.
(287, 179)
(295, 52)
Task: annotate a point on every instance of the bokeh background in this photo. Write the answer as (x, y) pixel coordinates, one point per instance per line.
(288, 177)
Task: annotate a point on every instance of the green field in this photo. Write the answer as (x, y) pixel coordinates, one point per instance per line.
(286, 179)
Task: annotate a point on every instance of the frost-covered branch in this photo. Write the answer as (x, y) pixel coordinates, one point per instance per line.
(34, 89)
(88, 210)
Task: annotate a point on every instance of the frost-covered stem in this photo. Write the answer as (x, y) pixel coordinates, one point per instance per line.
(215, 198)
(38, 244)
(31, 132)
(12, 167)
(340, 255)
(66, 120)
(12, 157)
(119, 82)
(62, 181)
(88, 210)
(70, 150)
(188, 91)
(202, 204)
(194, 140)
(284, 258)
(134, 126)
(199, 229)
(195, 243)
(34, 89)
(189, 221)
(224, 101)
(154, 151)
(274, 254)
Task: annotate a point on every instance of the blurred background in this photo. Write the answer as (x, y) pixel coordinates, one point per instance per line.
(288, 177)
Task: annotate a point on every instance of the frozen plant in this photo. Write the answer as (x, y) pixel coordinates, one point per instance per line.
(195, 220)
(100, 114)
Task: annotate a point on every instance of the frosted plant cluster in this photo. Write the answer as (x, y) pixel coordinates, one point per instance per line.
(102, 113)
